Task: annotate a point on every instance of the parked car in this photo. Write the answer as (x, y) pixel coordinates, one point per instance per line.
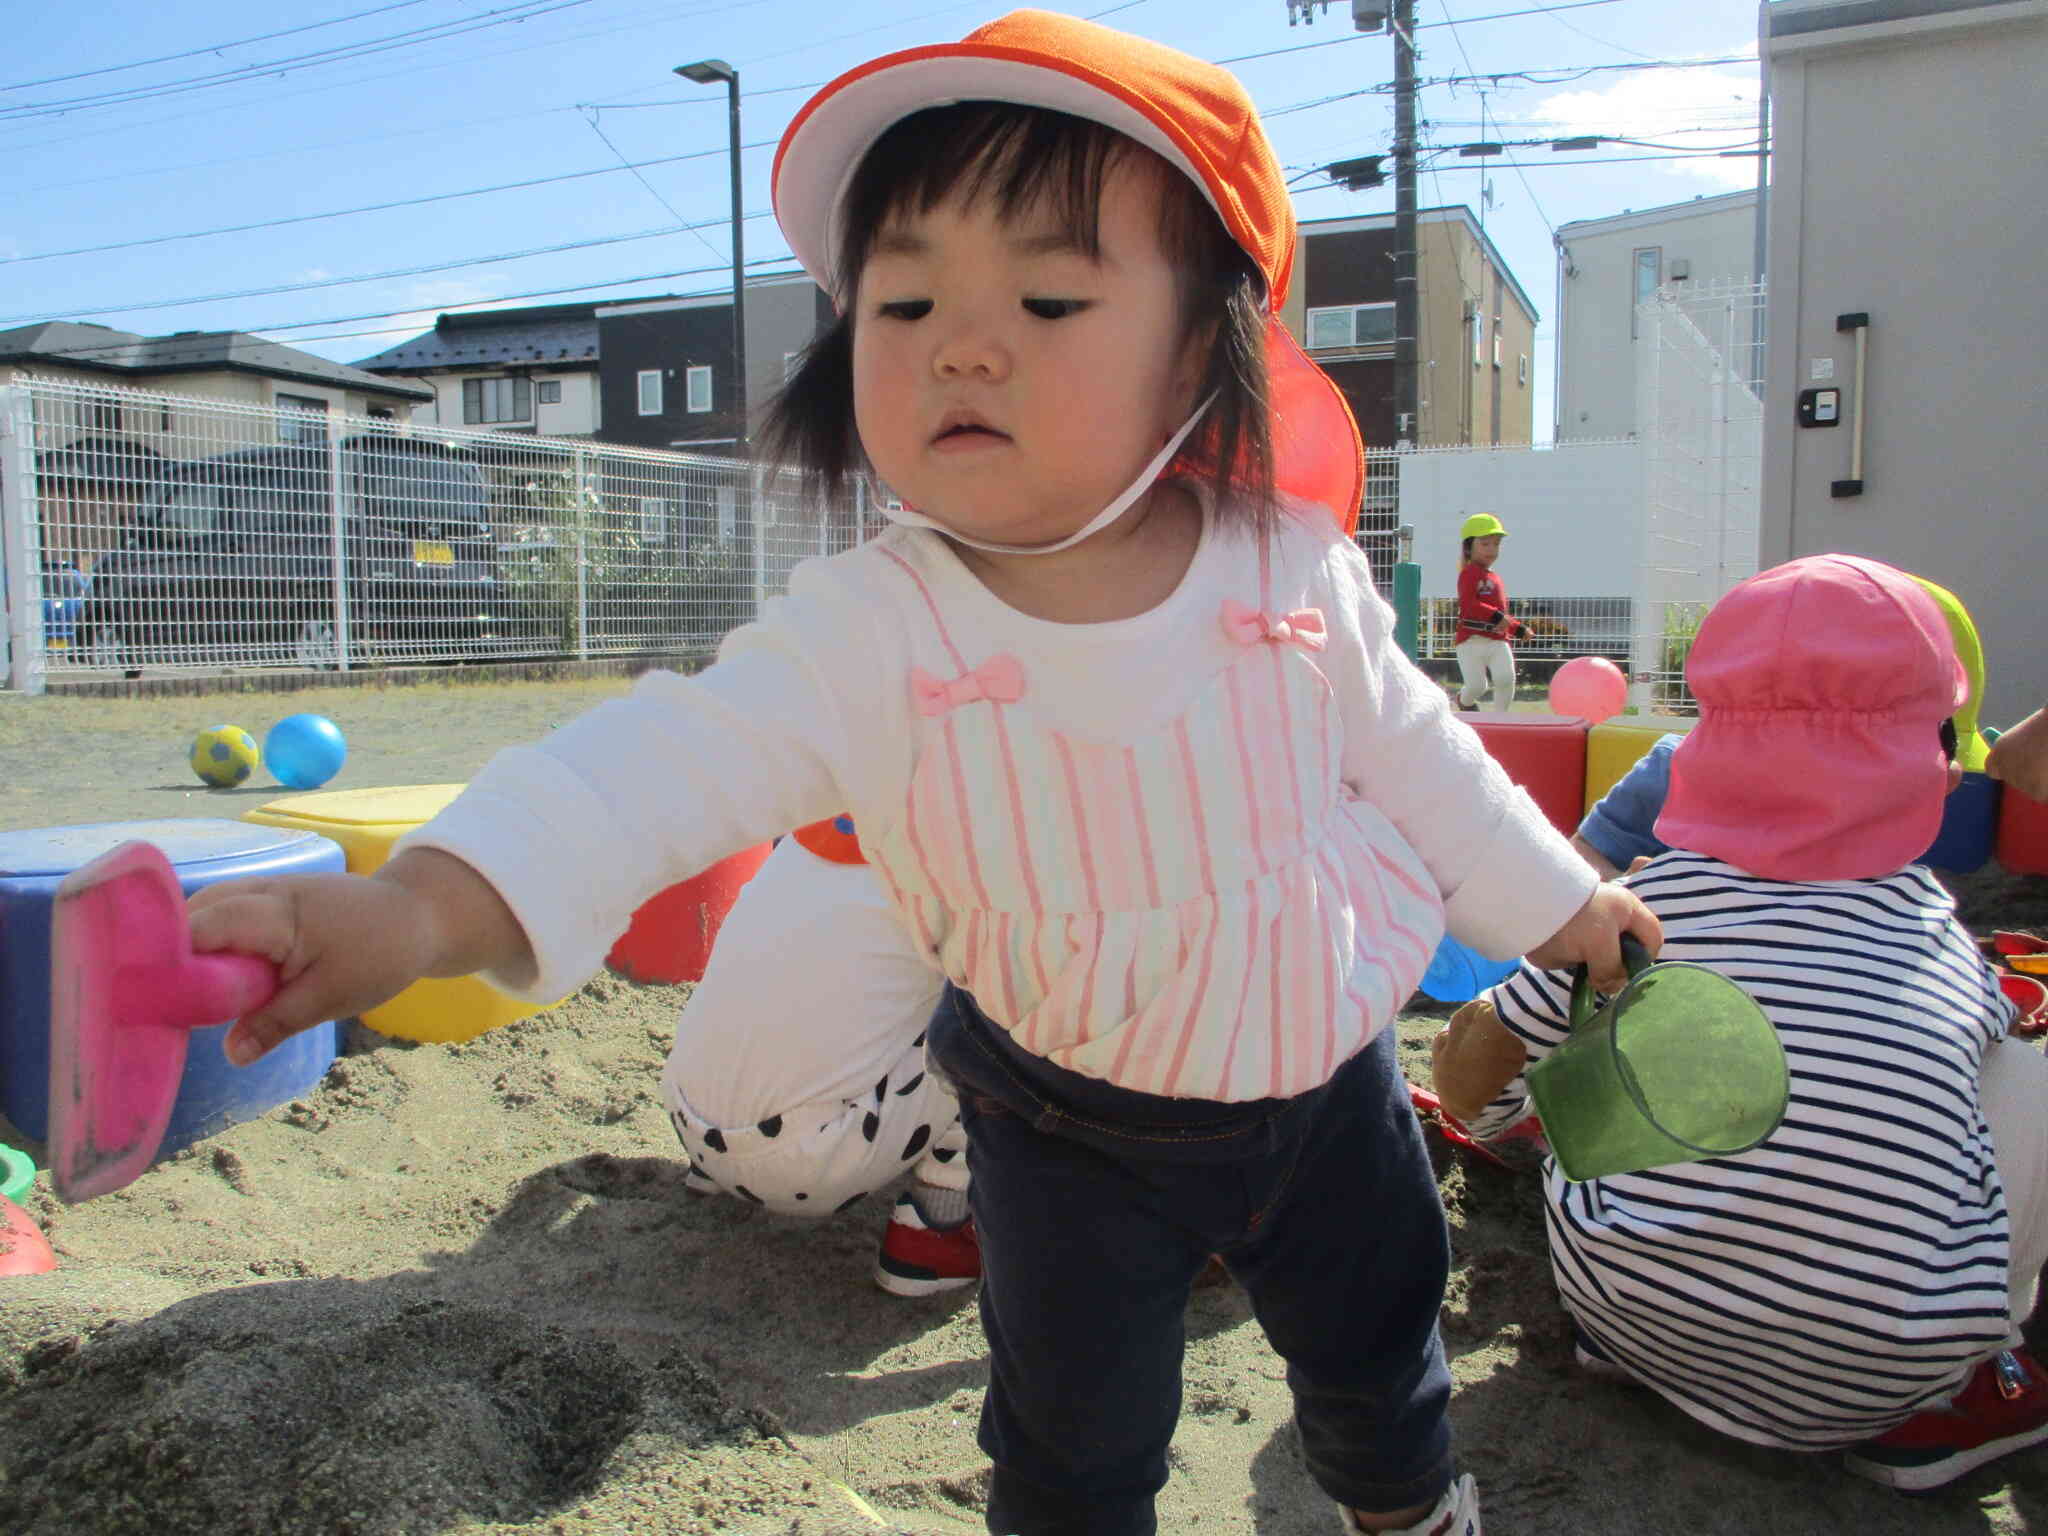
(233, 558)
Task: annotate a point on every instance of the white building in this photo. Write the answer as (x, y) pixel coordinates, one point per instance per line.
(1606, 267)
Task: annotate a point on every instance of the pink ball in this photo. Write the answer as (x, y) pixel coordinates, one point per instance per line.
(1590, 687)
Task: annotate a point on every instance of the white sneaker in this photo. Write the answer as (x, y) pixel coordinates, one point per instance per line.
(1455, 1514)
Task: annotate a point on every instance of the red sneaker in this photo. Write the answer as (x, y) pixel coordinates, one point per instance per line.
(918, 1259)
(2002, 1408)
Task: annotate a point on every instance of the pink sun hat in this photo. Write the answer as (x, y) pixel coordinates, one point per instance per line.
(1822, 684)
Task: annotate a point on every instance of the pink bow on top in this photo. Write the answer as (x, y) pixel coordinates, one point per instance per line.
(1000, 680)
(1248, 626)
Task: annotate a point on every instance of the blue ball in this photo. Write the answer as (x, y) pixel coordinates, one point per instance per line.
(304, 751)
(1458, 973)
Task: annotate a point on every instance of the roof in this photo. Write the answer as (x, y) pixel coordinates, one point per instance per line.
(1665, 213)
(560, 335)
(78, 345)
(1457, 212)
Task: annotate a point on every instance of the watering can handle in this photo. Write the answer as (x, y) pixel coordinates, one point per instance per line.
(1634, 955)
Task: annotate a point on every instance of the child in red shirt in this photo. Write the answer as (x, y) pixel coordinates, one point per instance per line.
(1484, 624)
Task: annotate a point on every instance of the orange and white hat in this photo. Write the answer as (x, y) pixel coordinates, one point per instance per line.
(1192, 114)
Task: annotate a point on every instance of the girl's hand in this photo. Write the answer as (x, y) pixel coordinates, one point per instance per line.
(1593, 936)
(343, 943)
(2020, 756)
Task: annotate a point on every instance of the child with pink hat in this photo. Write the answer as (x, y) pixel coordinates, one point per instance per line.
(1857, 1281)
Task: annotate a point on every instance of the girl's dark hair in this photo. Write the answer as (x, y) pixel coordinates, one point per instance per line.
(1015, 156)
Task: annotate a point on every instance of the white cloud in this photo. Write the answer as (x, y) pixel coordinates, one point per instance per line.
(1681, 108)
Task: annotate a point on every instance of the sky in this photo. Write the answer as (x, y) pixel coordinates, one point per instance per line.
(171, 165)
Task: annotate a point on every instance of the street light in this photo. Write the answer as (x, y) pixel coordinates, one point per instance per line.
(705, 72)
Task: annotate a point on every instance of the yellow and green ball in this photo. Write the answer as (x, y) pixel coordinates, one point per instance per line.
(224, 755)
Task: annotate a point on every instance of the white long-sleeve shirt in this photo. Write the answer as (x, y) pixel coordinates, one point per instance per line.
(809, 711)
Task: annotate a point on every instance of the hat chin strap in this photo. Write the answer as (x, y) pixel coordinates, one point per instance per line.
(1101, 520)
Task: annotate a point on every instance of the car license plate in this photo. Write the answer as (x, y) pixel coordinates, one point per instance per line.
(426, 553)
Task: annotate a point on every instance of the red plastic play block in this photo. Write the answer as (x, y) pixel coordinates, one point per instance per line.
(2022, 834)
(23, 1248)
(1545, 754)
(670, 937)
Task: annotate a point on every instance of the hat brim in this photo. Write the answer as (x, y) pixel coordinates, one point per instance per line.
(826, 141)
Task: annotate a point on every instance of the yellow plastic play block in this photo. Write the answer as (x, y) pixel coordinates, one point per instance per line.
(367, 822)
(1615, 746)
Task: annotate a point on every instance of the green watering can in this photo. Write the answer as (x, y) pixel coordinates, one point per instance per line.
(1680, 1065)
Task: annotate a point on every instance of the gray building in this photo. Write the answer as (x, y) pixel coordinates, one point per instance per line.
(1607, 267)
(655, 371)
(1905, 219)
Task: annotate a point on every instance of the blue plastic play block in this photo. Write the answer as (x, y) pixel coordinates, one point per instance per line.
(1969, 827)
(212, 1095)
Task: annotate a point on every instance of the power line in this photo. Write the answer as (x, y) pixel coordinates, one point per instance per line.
(590, 115)
(193, 53)
(1359, 37)
(466, 61)
(371, 277)
(525, 10)
(465, 305)
(407, 202)
(1608, 42)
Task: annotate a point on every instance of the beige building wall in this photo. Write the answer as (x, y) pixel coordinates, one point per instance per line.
(1477, 340)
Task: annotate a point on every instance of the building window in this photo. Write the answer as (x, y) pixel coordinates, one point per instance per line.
(499, 399)
(650, 391)
(1350, 325)
(1496, 341)
(549, 392)
(697, 389)
(1648, 271)
(304, 420)
(1522, 370)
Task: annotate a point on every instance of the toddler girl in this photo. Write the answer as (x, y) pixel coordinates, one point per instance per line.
(1134, 754)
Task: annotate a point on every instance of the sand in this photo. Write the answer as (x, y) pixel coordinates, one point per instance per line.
(461, 1289)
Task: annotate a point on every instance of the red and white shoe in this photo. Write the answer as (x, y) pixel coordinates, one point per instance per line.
(2002, 1408)
(919, 1259)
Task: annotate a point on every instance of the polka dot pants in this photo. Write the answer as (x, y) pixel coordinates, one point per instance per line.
(818, 1158)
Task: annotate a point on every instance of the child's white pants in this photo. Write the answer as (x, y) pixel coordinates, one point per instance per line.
(1483, 660)
(797, 1079)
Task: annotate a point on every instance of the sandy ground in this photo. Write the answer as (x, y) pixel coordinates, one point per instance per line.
(460, 1289)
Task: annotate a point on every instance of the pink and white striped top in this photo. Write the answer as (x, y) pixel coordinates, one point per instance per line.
(1204, 911)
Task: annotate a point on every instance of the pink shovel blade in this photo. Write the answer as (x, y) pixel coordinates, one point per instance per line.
(126, 991)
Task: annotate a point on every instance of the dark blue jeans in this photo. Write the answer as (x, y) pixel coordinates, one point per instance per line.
(1096, 1207)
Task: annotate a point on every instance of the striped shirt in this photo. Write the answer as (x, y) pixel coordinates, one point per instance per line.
(1818, 1289)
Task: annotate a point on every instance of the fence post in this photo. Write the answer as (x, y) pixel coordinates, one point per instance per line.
(338, 501)
(21, 540)
(582, 475)
(1407, 595)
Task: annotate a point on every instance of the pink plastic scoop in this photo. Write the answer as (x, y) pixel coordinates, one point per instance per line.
(126, 992)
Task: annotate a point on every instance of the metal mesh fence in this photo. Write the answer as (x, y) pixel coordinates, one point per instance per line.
(154, 532)
(150, 532)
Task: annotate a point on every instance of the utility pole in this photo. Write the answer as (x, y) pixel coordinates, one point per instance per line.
(1407, 308)
(1371, 16)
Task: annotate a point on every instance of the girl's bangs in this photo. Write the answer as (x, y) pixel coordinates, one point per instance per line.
(1017, 159)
